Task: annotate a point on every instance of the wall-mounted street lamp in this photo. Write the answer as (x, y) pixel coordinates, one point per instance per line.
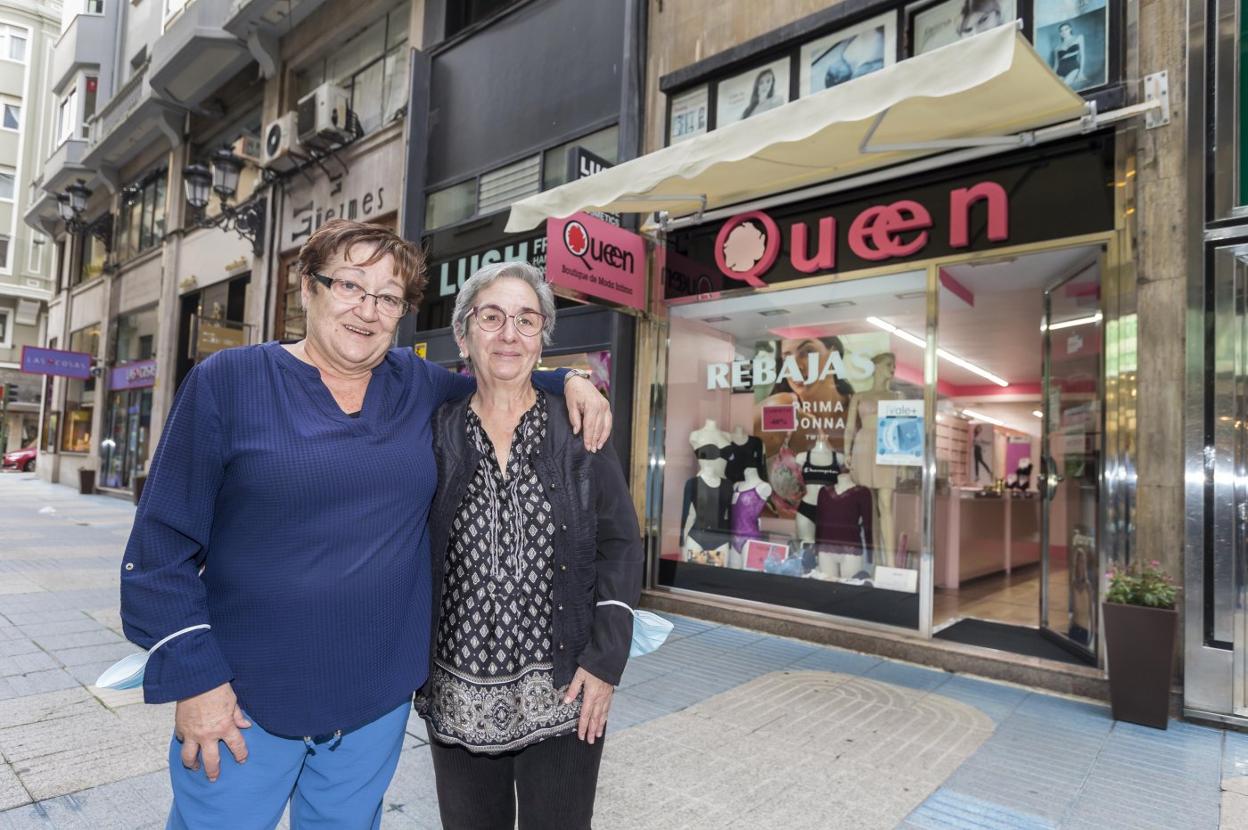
(72, 204)
(199, 182)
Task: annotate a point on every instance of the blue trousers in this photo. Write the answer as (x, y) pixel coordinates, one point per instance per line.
(336, 783)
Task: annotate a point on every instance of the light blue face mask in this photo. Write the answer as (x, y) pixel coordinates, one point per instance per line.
(127, 673)
(649, 630)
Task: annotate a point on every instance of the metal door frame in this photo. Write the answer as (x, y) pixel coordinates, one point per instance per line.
(1047, 489)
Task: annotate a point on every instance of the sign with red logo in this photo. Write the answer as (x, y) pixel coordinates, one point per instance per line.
(779, 418)
(596, 258)
(138, 375)
(37, 361)
(1029, 196)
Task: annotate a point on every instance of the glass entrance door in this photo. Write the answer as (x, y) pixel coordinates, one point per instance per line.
(1071, 451)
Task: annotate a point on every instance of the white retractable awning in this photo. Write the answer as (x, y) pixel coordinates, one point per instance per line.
(989, 89)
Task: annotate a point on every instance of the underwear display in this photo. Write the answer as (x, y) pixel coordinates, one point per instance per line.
(743, 456)
(819, 473)
(712, 506)
(708, 452)
(745, 512)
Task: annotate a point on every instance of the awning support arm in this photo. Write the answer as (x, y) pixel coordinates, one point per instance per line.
(1024, 139)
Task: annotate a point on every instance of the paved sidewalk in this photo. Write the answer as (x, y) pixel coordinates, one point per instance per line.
(721, 728)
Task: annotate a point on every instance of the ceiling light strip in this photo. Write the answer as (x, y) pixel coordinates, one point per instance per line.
(947, 355)
(1080, 321)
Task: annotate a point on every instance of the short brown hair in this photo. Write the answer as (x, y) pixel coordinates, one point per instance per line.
(343, 235)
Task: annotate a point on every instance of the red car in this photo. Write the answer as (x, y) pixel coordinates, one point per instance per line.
(23, 460)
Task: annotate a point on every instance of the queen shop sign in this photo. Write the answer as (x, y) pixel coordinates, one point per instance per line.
(596, 258)
(138, 375)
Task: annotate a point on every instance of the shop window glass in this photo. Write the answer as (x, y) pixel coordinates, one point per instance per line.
(142, 218)
(135, 334)
(80, 395)
(94, 253)
(605, 144)
(460, 15)
(371, 67)
(293, 325)
(451, 204)
(792, 463)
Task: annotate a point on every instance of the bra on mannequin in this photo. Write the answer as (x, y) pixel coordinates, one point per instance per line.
(820, 474)
(707, 452)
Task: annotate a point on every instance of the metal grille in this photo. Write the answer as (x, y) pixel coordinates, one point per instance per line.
(499, 188)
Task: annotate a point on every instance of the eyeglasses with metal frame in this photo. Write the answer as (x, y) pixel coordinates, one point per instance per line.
(491, 318)
(352, 292)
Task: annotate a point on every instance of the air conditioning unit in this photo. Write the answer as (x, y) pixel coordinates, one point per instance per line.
(324, 115)
(247, 148)
(281, 147)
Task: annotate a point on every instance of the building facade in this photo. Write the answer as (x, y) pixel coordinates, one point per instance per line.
(307, 104)
(29, 30)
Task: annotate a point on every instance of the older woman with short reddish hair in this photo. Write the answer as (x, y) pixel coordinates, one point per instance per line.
(282, 544)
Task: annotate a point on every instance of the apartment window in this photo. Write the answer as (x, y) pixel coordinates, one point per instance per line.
(451, 204)
(6, 330)
(14, 43)
(371, 67)
(38, 241)
(8, 177)
(90, 87)
(67, 116)
(93, 6)
(142, 218)
(463, 13)
(172, 9)
(12, 115)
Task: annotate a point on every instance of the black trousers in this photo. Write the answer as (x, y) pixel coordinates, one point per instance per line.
(552, 782)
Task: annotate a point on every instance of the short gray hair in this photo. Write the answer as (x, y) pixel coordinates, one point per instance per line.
(486, 276)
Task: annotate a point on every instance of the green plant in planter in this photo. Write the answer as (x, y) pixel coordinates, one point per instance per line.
(1145, 585)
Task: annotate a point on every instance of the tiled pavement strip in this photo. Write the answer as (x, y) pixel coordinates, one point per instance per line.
(721, 728)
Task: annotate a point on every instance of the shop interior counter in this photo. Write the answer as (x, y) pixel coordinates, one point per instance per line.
(977, 535)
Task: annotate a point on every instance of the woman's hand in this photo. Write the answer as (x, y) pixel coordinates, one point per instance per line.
(201, 721)
(594, 706)
(588, 407)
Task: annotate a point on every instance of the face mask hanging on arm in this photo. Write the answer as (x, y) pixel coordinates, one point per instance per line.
(127, 673)
(649, 630)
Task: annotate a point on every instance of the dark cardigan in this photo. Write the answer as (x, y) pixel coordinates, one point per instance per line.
(598, 552)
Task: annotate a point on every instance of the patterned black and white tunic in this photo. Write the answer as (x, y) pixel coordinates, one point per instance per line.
(491, 686)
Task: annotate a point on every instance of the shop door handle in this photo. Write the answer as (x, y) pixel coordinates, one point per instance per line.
(1051, 478)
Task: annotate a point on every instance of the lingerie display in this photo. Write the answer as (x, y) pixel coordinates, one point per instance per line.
(743, 456)
(785, 476)
(712, 521)
(708, 452)
(843, 520)
(819, 473)
(745, 512)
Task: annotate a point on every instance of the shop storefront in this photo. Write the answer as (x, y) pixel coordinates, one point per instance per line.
(817, 457)
(125, 449)
(893, 388)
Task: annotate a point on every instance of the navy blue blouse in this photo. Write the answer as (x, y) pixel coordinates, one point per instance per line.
(309, 526)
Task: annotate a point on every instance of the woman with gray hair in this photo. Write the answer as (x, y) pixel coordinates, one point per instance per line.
(530, 535)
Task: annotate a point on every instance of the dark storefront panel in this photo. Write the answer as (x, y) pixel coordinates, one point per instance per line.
(495, 97)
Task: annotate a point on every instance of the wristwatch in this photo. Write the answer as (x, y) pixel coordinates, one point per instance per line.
(576, 373)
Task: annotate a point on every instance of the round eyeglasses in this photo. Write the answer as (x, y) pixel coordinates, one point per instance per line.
(492, 318)
(354, 293)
